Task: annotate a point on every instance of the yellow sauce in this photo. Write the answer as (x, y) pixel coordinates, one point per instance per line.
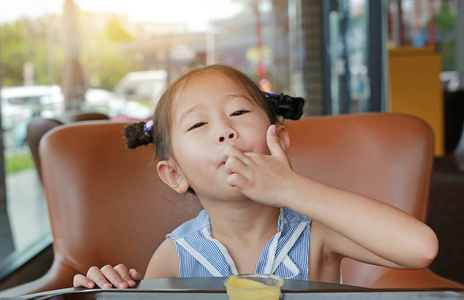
(241, 288)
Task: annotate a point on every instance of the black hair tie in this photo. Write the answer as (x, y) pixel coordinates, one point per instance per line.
(286, 106)
(139, 134)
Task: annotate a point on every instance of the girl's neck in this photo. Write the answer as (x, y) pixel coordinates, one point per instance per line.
(247, 220)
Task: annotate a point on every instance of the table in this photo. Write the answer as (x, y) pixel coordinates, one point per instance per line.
(213, 288)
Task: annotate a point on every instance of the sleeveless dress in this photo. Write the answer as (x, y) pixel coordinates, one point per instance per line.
(286, 254)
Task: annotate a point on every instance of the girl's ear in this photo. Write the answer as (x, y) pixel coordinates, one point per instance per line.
(174, 179)
(284, 138)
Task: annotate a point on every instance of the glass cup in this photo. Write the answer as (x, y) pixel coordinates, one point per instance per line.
(253, 286)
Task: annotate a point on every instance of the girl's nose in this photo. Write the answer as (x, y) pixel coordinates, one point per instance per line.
(227, 134)
(222, 138)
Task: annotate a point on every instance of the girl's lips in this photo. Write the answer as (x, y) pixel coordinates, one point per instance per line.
(221, 163)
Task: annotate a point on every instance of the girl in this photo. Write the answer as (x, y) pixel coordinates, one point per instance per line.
(218, 136)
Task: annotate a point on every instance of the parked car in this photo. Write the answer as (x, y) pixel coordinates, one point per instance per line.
(19, 104)
(115, 106)
(143, 85)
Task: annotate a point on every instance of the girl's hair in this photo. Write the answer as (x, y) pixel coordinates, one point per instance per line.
(158, 131)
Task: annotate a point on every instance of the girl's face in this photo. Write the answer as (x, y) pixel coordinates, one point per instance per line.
(209, 113)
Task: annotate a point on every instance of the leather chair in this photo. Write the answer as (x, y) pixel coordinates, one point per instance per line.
(108, 206)
(38, 126)
(388, 157)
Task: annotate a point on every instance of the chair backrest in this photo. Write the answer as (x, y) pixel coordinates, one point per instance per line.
(38, 126)
(108, 206)
(388, 157)
(78, 116)
(385, 156)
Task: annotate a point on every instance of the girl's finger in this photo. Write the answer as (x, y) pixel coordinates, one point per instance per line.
(95, 274)
(236, 180)
(235, 165)
(121, 269)
(273, 141)
(231, 150)
(113, 276)
(135, 275)
(81, 280)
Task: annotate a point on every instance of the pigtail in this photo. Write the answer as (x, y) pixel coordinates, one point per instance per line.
(286, 106)
(139, 134)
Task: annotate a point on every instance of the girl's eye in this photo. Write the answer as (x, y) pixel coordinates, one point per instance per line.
(239, 112)
(197, 125)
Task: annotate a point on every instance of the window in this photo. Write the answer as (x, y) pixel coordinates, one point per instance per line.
(118, 59)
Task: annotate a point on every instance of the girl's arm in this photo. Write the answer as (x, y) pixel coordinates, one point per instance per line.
(366, 229)
(164, 262)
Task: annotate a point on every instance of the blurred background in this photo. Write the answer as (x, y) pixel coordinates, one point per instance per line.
(116, 57)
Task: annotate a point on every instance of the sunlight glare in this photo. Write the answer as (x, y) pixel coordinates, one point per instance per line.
(196, 14)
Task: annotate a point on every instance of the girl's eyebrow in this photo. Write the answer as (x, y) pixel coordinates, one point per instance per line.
(199, 106)
(190, 110)
(238, 96)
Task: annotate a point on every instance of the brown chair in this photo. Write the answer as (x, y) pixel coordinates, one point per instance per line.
(108, 206)
(38, 126)
(388, 157)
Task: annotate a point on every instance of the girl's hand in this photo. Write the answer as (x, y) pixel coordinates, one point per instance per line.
(107, 277)
(262, 178)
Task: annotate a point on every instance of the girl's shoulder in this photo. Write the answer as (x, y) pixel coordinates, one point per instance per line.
(194, 225)
(292, 216)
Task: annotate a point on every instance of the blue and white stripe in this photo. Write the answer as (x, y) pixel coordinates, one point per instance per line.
(286, 254)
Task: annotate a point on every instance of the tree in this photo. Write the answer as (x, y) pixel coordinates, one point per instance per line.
(116, 32)
(29, 41)
(39, 42)
(103, 61)
(12, 54)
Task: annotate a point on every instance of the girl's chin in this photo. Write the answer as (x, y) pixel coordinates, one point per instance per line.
(225, 192)
(233, 194)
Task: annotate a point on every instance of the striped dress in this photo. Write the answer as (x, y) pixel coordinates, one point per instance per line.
(286, 254)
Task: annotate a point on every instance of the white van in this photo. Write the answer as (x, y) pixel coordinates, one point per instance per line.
(143, 85)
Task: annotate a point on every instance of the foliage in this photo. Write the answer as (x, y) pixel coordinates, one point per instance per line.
(445, 31)
(30, 41)
(444, 18)
(447, 50)
(116, 32)
(40, 42)
(12, 57)
(103, 60)
(15, 162)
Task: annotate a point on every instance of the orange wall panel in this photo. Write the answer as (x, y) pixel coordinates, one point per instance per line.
(416, 89)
